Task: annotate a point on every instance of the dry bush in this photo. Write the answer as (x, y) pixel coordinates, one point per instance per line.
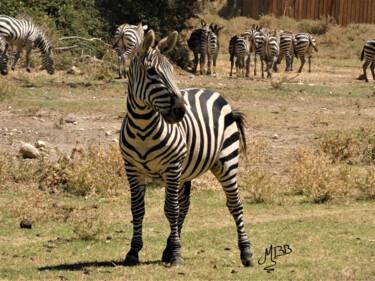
(316, 27)
(86, 224)
(364, 182)
(98, 69)
(313, 174)
(97, 170)
(36, 81)
(354, 147)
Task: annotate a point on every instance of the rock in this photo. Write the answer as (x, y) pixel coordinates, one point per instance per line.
(275, 137)
(70, 118)
(73, 70)
(29, 151)
(108, 133)
(115, 140)
(40, 144)
(25, 224)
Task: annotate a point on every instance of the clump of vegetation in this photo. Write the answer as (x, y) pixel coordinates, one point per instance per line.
(316, 27)
(86, 225)
(313, 175)
(7, 88)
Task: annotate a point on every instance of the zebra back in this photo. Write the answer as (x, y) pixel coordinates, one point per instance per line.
(368, 50)
(128, 37)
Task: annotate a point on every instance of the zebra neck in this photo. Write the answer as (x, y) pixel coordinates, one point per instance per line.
(42, 43)
(142, 119)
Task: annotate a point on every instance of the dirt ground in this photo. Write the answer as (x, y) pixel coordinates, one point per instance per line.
(285, 122)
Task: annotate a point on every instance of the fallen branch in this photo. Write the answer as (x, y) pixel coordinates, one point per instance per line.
(85, 39)
(62, 49)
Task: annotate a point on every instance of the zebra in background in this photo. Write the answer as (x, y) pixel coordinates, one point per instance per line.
(22, 33)
(286, 50)
(269, 51)
(3, 58)
(127, 40)
(239, 47)
(254, 36)
(304, 43)
(213, 47)
(368, 53)
(176, 135)
(204, 42)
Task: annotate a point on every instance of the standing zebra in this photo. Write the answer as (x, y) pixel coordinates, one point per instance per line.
(3, 58)
(368, 52)
(214, 47)
(304, 43)
(22, 33)
(127, 40)
(269, 51)
(255, 39)
(204, 42)
(239, 47)
(286, 50)
(176, 135)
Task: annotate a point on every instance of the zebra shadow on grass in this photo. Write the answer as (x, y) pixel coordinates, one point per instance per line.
(83, 265)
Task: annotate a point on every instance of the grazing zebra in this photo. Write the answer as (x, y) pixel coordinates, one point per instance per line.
(239, 47)
(204, 42)
(368, 52)
(3, 58)
(176, 135)
(127, 40)
(304, 43)
(22, 33)
(286, 50)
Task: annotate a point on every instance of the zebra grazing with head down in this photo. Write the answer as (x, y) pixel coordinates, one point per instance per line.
(3, 58)
(304, 43)
(22, 33)
(239, 47)
(204, 42)
(286, 50)
(368, 53)
(177, 135)
(127, 40)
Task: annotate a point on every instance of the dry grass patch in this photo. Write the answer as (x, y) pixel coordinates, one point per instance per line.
(7, 88)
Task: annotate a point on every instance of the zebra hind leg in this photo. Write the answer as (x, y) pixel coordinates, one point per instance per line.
(372, 67)
(302, 63)
(365, 65)
(226, 175)
(184, 203)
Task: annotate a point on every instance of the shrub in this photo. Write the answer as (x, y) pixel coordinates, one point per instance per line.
(316, 27)
(260, 187)
(7, 88)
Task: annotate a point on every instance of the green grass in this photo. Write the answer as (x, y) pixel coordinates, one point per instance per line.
(327, 241)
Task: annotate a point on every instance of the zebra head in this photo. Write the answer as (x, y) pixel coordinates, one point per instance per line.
(48, 60)
(151, 82)
(3, 63)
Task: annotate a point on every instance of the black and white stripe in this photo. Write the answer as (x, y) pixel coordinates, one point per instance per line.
(22, 33)
(127, 40)
(269, 51)
(239, 47)
(176, 135)
(286, 50)
(304, 44)
(213, 47)
(255, 40)
(3, 57)
(368, 53)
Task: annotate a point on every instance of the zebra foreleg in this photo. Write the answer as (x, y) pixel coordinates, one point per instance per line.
(372, 67)
(184, 203)
(16, 58)
(28, 52)
(227, 178)
(310, 56)
(171, 210)
(137, 189)
(255, 65)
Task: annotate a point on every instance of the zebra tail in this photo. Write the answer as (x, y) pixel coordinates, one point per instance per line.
(234, 48)
(116, 43)
(363, 53)
(239, 117)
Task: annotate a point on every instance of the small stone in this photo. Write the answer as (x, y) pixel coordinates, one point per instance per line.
(109, 237)
(75, 123)
(275, 137)
(73, 70)
(81, 129)
(42, 120)
(40, 144)
(108, 133)
(29, 151)
(70, 119)
(115, 140)
(25, 224)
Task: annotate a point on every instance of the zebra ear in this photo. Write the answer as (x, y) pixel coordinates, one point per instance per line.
(167, 44)
(147, 42)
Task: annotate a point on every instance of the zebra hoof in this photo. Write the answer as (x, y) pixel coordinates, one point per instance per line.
(28, 70)
(167, 256)
(247, 258)
(131, 260)
(177, 261)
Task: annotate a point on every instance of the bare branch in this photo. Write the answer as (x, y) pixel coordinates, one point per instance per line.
(62, 49)
(85, 39)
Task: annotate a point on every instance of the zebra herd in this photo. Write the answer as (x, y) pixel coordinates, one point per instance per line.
(271, 46)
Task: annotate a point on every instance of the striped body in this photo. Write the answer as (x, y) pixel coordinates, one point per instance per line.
(21, 34)
(256, 48)
(239, 47)
(3, 58)
(269, 52)
(368, 53)
(127, 40)
(176, 135)
(286, 50)
(205, 42)
(304, 44)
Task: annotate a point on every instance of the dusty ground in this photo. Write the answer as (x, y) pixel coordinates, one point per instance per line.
(296, 117)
